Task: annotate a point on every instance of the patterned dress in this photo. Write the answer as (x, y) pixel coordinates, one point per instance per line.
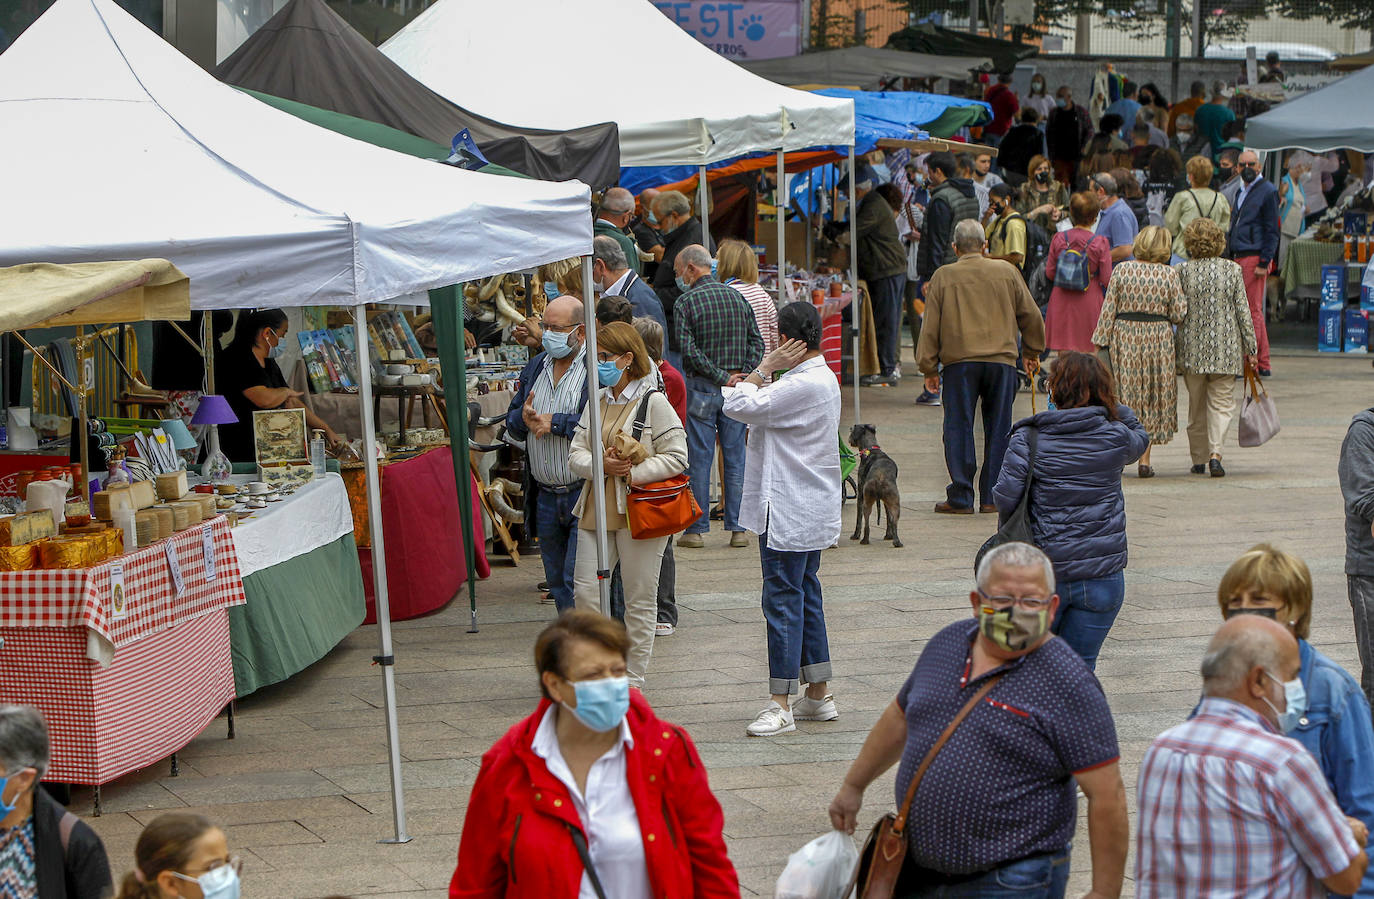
(18, 875)
(1217, 331)
(1142, 351)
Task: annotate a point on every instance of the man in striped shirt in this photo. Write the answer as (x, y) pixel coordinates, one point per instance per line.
(544, 413)
(1230, 807)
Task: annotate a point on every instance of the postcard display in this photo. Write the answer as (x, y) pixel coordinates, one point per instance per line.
(280, 447)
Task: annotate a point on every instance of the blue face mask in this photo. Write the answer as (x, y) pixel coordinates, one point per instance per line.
(551, 290)
(1061, 102)
(652, 219)
(681, 284)
(601, 704)
(7, 807)
(1295, 694)
(608, 373)
(556, 344)
(277, 351)
(713, 268)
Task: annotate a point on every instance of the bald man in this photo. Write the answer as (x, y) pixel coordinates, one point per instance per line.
(1253, 241)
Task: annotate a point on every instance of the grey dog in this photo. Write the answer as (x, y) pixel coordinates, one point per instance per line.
(877, 482)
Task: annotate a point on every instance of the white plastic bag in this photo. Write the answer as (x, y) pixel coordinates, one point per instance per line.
(820, 869)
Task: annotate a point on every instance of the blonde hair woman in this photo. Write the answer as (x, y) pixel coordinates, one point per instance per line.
(1329, 715)
(738, 266)
(629, 388)
(1198, 200)
(1215, 341)
(1143, 302)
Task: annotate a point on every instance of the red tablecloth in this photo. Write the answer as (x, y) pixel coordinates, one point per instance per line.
(171, 670)
(424, 537)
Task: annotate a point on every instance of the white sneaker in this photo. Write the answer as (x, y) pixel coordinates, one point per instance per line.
(822, 709)
(772, 721)
(663, 629)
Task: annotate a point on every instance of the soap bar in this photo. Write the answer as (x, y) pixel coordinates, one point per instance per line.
(172, 484)
(26, 528)
(144, 494)
(107, 502)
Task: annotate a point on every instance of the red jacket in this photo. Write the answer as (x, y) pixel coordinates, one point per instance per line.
(675, 386)
(516, 836)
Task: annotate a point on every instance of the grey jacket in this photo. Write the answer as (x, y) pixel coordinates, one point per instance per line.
(1356, 470)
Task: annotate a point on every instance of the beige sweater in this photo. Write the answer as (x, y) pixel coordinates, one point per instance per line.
(975, 308)
(663, 437)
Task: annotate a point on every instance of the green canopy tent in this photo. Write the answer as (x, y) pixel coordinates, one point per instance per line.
(445, 304)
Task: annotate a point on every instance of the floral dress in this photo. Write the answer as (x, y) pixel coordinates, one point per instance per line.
(1143, 302)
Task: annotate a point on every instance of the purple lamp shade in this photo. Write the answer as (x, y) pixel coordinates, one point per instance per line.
(213, 410)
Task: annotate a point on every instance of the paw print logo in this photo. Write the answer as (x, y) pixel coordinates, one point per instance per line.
(753, 27)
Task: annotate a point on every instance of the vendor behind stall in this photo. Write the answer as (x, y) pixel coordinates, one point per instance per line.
(248, 376)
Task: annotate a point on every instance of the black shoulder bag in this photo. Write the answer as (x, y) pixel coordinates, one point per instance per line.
(1017, 527)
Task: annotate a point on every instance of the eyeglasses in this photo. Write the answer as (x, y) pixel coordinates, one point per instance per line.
(1249, 165)
(560, 328)
(1030, 603)
(234, 863)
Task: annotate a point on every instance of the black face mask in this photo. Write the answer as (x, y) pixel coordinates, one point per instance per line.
(1042, 177)
(1225, 173)
(1248, 175)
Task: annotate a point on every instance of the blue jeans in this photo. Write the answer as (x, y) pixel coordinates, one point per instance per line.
(1038, 877)
(1087, 609)
(707, 421)
(557, 529)
(966, 385)
(887, 319)
(798, 651)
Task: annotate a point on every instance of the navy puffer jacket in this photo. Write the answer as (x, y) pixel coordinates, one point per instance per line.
(1077, 511)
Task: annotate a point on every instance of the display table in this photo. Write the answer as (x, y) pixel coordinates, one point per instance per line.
(1302, 268)
(425, 566)
(302, 581)
(122, 692)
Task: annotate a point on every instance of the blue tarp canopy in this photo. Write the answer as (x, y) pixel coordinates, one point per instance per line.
(877, 114)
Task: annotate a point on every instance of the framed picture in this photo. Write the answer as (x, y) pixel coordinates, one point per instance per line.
(279, 435)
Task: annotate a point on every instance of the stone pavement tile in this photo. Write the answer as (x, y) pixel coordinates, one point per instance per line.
(277, 833)
(436, 774)
(379, 802)
(120, 796)
(234, 788)
(258, 762)
(419, 823)
(262, 812)
(355, 877)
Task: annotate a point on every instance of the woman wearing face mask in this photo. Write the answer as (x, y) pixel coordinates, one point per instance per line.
(632, 406)
(1078, 511)
(1042, 199)
(1038, 98)
(180, 856)
(592, 794)
(248, 376)
(1327, 711)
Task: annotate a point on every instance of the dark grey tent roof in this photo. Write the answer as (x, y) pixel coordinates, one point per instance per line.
(1327, 118)
(307, 53)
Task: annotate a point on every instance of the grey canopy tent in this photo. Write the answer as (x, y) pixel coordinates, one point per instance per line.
(307, 53)
(865, 67)
(1329, 118)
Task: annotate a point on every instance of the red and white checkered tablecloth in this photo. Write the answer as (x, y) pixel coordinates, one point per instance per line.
(81, 597)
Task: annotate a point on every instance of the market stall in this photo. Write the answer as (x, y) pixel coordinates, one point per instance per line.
(259, 208)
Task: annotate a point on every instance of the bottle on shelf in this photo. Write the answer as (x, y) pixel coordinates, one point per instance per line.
(317, 452)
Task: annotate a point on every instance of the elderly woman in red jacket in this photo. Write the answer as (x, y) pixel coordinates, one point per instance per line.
(592, 795)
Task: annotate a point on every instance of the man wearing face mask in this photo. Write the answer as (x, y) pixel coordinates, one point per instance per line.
(617, 208)
(1253, 242)
(612, 276)
(1030, 704)
(544, 413)
(680, 229)
(1187, 141)
(42, 856)
(1228, 806)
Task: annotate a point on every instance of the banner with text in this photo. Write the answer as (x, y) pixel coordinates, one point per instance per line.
(747, 29)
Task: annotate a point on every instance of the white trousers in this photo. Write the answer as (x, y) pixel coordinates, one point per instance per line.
(1211, 403)
(640, 562)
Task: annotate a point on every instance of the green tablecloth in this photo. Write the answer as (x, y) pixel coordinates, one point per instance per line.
(1303, 267)
(297, 611)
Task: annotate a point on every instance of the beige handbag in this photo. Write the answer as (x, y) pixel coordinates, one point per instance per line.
(1259, 420)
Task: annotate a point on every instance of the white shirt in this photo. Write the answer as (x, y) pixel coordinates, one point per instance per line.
(618, 288)
(792, 458)
(607, 811)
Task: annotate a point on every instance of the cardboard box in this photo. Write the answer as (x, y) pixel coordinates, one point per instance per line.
(1333, 285)
(1356, 331)
(1330, 323)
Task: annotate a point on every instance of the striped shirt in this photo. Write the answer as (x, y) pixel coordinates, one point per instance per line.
(765, 311)
(1227, 807)
(548, 455)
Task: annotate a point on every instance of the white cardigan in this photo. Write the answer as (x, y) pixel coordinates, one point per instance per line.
(663, 437)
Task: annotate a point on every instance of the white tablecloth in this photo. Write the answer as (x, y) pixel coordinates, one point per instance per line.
(315, 515)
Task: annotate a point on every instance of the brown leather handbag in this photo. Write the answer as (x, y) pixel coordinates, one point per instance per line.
(661, 508)
(884, 852)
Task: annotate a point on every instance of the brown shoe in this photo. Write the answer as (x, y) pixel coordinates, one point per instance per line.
(947, 509)
(738, 539)
(987, 508)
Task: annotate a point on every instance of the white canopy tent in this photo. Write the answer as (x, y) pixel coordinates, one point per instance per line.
(710, 110)
(1327, 118)
(116, 146)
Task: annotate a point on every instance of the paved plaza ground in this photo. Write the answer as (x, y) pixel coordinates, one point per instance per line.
(302, 791)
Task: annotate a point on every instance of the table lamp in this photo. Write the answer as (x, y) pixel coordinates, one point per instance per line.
(214, 410)
(180, 435)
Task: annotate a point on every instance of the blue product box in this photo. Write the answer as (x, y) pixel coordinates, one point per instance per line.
(1329, 327)
(1367, 298)
(1356, 331)
(1333, 285)
(1356, 223)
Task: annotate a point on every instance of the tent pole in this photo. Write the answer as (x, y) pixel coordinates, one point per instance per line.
(386, 659)
(780, 202)
(703, 202)
(855, 307)
(811, 202)
(593, 415)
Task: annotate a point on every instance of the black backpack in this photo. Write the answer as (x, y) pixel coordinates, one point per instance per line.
(1037, 245)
